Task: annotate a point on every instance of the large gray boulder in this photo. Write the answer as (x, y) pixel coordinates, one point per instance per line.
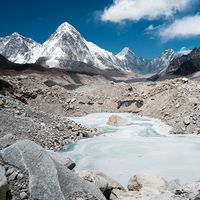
(105, 183)
(145, 179)
(7, 140)
(63, 159)
(3, 183)
(48, 178)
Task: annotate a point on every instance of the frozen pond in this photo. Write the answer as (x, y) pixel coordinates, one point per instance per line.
(143, 145)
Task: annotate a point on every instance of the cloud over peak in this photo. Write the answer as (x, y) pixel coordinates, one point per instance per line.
(136, 10)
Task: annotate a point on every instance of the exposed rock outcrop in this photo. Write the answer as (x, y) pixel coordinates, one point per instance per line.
(48, 178)
(105, 183)
(186, 64)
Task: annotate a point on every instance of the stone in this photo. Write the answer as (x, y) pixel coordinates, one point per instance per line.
(20, 176)
(186, 121)
(139, 103)
(13, 176)
(1, 102)
(47, 178)
(90, 103)
(115, 120)
(185, 80)
(60, 127)
(105, 183)
(23, 195)
(33, 94)
(7, 140)
(121, 195)
(10, 171)
(81, 102)
(3, 183)
(73, 100)
(63, 159)
(18, 112)
(137, 182)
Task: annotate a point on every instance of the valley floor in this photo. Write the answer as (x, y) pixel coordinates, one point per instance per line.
(176, 101)
(36, 106)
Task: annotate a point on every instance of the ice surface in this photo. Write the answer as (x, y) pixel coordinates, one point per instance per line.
(144, 145)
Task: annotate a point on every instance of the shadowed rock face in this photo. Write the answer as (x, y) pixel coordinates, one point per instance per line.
(186, 64)
(48, 178)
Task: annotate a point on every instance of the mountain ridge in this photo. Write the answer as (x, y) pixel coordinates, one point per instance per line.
(66, 46)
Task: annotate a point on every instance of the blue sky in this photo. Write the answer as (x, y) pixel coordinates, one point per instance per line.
(146, 26)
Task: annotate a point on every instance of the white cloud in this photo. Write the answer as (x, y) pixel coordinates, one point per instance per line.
(136, 10)
(182, 28)
(152, 28)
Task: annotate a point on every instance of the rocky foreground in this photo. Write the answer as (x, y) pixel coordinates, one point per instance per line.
(33, 120)
(27, 171)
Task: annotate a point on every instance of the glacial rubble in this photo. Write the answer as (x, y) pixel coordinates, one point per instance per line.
(175, 101)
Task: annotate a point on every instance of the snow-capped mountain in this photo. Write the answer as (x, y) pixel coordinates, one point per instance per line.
(18, 48)
(66, 44)
(157, 64)
(105, 59)
(66, 48)
(141, 65)
(131, 60)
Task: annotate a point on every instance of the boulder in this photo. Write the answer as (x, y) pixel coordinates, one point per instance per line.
(146, 193)
(122, 195)
(139, 181)
(186, 120)
(3, 183)
(48, 179)
(63, 159)
(7, 140)
(116, 120)
(105, 183)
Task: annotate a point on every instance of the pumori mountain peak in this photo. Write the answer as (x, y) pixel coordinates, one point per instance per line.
(125, 51)
(65, 27)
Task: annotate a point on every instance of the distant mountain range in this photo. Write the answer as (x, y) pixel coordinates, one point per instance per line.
(66, 49)
(180, 66)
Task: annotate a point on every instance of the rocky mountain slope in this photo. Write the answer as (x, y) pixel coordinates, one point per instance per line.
(186, 64)
(67, 48)
(18, 48)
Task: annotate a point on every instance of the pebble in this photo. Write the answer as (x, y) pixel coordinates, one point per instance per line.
(13, 176)
(1, 102)
(60, 127)
(73, 100)
(17, 112)
(10, 171)
(20, 176)
(186, 121)
(23, 195)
